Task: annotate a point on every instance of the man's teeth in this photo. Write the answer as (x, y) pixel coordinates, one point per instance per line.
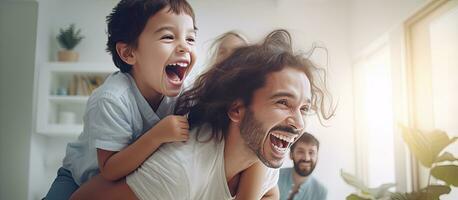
(280, 149)
(288, 139)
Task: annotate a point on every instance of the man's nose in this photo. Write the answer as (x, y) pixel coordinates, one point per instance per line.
(296, 120)
(307, 157)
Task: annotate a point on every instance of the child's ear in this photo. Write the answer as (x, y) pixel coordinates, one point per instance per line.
(125, 52)
(236, 111)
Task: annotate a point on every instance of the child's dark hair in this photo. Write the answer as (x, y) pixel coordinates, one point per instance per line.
(128, 19)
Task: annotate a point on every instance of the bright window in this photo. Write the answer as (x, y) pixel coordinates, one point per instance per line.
(374, 116)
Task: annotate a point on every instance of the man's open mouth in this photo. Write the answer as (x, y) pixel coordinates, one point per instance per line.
(281, 142)
(176, 71)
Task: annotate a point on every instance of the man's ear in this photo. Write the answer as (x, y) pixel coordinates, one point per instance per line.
(125, 52)
(236, 111)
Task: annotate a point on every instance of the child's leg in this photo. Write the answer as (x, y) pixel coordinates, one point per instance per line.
(63, 186)
(98, 188)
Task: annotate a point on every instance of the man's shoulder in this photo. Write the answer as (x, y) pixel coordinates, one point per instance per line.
(203, 134)
(199, 144)
(285, 171)
(318, 185)
(187, 166)
(273, 173)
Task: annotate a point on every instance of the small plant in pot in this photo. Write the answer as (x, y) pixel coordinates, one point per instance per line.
(68, 39)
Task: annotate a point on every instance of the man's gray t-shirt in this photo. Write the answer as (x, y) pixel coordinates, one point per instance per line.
(311, 189)
(116, 115)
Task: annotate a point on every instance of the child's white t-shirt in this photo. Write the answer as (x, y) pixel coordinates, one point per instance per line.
(191, 170)
(116, 115)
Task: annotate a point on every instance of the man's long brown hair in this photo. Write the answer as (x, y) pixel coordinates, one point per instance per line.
(241, 74)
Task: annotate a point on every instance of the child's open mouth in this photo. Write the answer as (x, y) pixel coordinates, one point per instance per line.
(176, 71)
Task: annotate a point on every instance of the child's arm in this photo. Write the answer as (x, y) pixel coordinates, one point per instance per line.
(272, 194)
(251, 182)
(115, 165)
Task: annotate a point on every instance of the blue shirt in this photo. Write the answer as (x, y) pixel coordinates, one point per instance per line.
(310, 189)
(116, 115)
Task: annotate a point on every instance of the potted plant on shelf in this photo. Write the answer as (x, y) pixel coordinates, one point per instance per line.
(68, 39)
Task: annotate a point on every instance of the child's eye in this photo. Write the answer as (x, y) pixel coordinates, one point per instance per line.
(167, 37)
(282, 102)
(191, 40)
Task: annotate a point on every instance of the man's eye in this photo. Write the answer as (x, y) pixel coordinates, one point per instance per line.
(305, 109)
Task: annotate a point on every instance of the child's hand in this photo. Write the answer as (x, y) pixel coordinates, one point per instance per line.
(173, 128)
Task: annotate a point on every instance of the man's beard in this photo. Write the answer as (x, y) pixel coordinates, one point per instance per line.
(253, 134)
(304, 172)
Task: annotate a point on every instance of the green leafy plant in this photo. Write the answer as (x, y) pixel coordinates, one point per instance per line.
(70, 37)
(429, 149)
(365, 193)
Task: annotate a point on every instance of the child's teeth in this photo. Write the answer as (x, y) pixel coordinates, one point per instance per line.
(180, 64)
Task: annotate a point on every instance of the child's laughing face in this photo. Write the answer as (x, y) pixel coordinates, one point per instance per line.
(165, 54)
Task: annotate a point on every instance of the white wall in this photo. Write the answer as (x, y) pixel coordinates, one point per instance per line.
(372, 18)
(86, 14)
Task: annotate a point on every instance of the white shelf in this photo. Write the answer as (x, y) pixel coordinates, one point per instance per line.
(68, 99)
(80, 67)
(63, 130)
(53, 76)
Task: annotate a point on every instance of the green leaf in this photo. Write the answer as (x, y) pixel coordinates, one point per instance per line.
(68, 38)
(409, 196)
(418, 145)
(433, 192)
(446, 173)
(376, 193)
(353, 181)
(426, 146)
(355, 197)
(399, 196)
(446, 157)
(381, 191)
(439, 140)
